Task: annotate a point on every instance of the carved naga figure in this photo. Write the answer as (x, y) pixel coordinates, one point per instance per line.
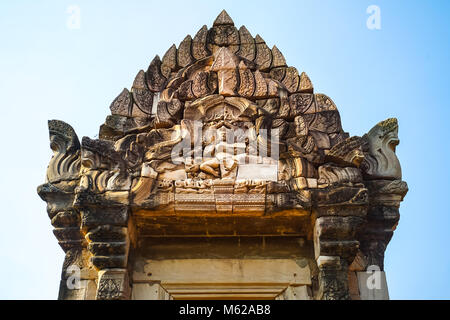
(65, 163)
(380, 159)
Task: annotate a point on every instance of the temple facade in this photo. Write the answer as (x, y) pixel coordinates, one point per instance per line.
(221, 174)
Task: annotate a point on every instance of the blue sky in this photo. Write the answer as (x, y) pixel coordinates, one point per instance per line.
(49, 71)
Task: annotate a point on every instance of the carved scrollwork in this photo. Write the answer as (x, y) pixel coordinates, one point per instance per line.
(329, 174)
(347, 152)
(65, 163)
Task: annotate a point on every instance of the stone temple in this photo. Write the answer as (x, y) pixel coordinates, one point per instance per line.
(222, 175)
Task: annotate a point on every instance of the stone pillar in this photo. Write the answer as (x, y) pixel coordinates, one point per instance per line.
(108, 242)
(78, 277)
(337, 220)
(102, 199)
(382, 219)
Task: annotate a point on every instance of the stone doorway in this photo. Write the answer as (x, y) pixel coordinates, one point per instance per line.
(222, 279)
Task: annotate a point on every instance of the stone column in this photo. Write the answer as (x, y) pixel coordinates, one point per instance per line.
(337, 218)
(102, 199)
(382, 219)
(108, 243)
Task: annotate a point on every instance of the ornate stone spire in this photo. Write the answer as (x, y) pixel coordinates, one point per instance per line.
(223, 19)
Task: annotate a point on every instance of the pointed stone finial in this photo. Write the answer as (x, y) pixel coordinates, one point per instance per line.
(305, 84)
(223, 19)
(263, 54)
(139, 81)
(170, 57)
(155, 79)
(247, 48)
(258, 39)
(199, 44)
(184, 52)
(278, 58)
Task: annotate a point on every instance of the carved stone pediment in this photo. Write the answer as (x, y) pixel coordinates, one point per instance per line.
(224, 85)
(221, 137)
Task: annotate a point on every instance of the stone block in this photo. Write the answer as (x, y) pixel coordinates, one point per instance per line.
(149, 291)
(295, 293)
(329, 262)
(113, 284)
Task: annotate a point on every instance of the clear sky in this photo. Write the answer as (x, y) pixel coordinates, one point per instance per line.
(51, 71)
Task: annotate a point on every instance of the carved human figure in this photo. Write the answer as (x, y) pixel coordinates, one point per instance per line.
(303, 143)
(223, 153)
